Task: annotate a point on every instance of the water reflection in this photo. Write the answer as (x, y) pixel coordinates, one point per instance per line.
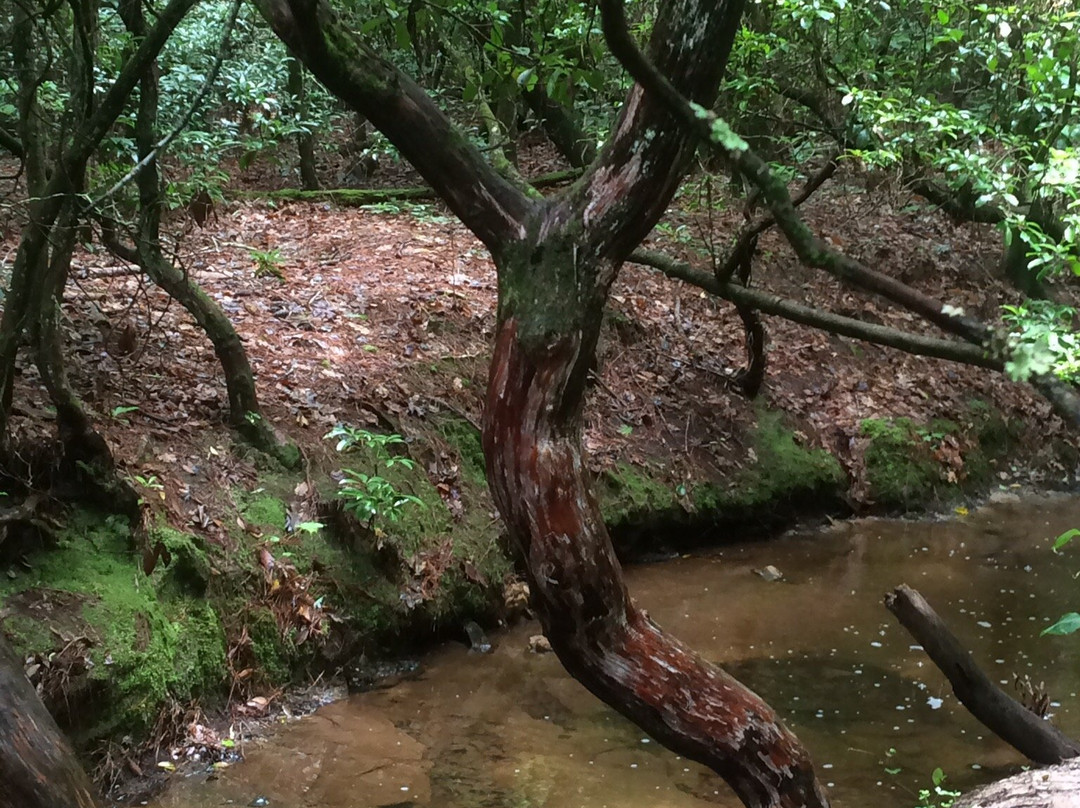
(511, 730)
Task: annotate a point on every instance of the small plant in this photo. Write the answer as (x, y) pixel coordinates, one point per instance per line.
(938, 796)
(372, 496)
(267, 262)
(1068, 623)
(118, 413)
(149, 482)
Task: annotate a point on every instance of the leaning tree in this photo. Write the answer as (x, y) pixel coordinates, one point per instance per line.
(556, 259)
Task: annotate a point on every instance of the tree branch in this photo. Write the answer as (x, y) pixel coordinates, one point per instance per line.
(11, 143)
(1007, 718)
(628, 188)
(485, 202)
(816, 318)
(810, 249)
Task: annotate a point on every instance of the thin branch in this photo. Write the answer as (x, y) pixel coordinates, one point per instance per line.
(917, 344)
(811, 250)
(161, 145)
(749, 234)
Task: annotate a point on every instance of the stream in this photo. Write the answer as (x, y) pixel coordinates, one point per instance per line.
(510, 729)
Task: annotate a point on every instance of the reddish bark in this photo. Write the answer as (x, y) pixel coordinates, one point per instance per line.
(556, 261)
(538, 479)
(37, 767)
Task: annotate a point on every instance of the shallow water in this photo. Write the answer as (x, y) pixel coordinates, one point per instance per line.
(510, 729)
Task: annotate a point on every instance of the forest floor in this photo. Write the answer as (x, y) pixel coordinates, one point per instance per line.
(382, 318)
(384, 315)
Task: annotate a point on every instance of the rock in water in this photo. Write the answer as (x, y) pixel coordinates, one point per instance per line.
(539, 644)
(769, 573)
(478, 641)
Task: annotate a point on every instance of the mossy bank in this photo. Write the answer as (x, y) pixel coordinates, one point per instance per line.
(276, 580)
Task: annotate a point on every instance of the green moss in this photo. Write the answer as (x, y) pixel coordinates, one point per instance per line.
(628, 492)
(274, 654)
(900, 469)
(189, 568)
(263, 510)
(150, 639)
(782, 470)
(782, 475)
(464, 439)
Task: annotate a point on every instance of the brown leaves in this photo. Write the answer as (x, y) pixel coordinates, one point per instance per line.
(285, 592)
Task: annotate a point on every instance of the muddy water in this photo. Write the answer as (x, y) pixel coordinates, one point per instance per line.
(511, 730)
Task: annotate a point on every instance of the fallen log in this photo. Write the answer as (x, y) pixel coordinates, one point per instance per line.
(1034, 737)
(38, 768)
(1052, 787)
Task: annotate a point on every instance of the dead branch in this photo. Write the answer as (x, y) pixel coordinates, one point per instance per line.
(1003, 715)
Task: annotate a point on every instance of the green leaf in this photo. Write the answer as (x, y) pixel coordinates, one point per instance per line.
(1065, 538)
(938, 777)
(1068, 624)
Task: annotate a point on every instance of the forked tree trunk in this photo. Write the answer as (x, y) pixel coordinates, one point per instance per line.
(37, 767)
(532, 430)
(556, 260)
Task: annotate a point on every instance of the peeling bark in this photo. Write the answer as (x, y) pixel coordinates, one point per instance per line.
(538, 479)
(556, 260)
(1052, 787)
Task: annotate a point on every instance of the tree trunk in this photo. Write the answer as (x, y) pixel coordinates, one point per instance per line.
(538, 479)
(561, 127)
(305, 141)
(556, 260)
(244, 412)
(37, 767)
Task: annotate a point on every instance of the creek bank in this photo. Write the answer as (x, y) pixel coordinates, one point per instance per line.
(286, 584)
(364, 326)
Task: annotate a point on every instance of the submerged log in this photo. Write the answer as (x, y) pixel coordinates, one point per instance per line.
(38, 768)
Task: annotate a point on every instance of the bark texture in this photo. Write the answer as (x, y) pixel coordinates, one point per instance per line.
(538, 479)
(1052, 787)
(37, 767)
(556, 259)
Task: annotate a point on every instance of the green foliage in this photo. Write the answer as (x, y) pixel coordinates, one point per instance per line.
(899, 467)
(370, 495)
(938, 796)
(1042, 341)
(980, 98)
(1067, 623)
(267, 262)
